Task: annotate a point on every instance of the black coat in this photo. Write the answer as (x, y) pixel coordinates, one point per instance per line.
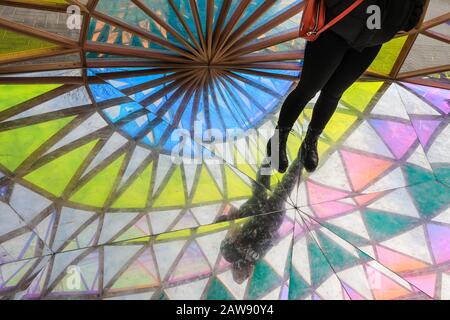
(396, 15)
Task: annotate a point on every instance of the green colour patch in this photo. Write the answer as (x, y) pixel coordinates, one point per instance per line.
(264, 279)
(443, 174)
(56, 175)
(320, 268)
(136, 195)
(217, 291)
(173, 193)
(206, 189)
(297, 286)
(347, 235)
(388, 55)
(430, 198)
(382, 226)
(12, 95)
(96, 191)
(337, 255)
(415, 174)
(17, 145)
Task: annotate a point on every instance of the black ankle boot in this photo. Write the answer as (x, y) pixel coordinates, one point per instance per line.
(280, 164)
(308, 150)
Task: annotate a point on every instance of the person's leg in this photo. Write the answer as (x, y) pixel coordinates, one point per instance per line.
(353, 65)
(351, 68)
(322, 57)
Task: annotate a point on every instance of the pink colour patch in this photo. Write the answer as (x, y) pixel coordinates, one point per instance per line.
(399, 137)
(398, 262)
(366, 198)
(352, 294)
(426, 283)
(318, 193)
(425, 129)
(331, 209)
(362, 169)
(383, 287)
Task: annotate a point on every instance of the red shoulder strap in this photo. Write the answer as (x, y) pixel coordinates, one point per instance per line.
(341, 16)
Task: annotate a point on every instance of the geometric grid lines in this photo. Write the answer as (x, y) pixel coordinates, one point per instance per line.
(92, 205)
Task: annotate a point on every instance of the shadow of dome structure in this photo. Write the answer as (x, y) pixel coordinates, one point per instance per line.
(94, 106)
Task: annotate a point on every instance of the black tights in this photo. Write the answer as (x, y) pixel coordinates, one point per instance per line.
(332, 66)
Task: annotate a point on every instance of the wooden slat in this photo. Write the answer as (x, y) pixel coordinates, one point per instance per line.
(428, 83)
(132, 51)
(167, 27)
(198, 24)
(262, 44)
(144, 34)
(225, 34)
(38, 33)
(263, 8)
(187, 29)
(280, 18)
(424, 72)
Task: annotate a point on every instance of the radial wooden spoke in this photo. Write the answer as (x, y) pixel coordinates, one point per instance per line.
(132, 52)
(267, 57)
(198, 47)
(131, 117)
(266, 74)
(187, 97)
(225, 34)
(226, 91)
(178, 83)
(198, 25)
(226, 4)
(245, 26)
(254, 84)
(234, 83)
(264, 65)
(179, 92)
(262, 44)
(146, 130)
(277, 20)
(168, 27)
(144, 34)
(156, 82)
(136, 73)
(209, 26)
(215, 90)
(128, 62)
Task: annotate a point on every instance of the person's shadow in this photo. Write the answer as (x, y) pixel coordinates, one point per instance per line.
(247, 243)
